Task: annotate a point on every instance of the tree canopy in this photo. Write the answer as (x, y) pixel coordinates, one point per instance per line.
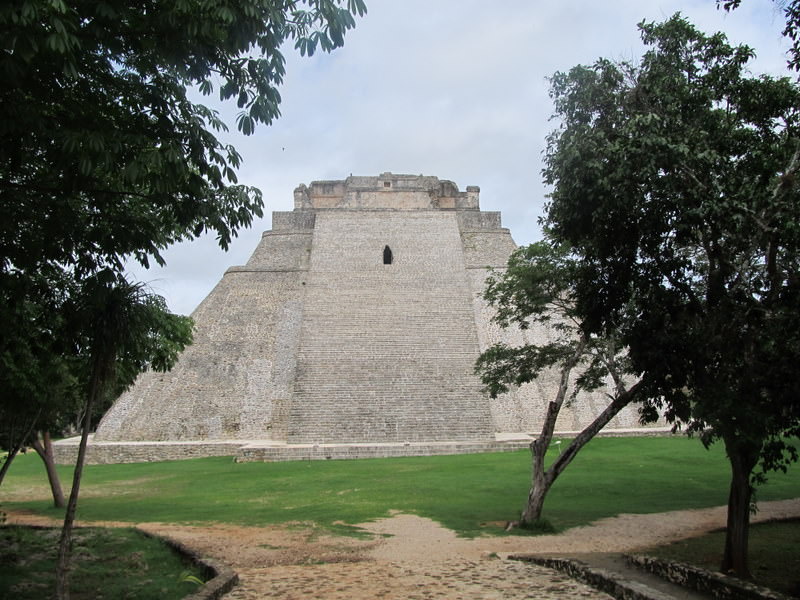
(129, 329)
(791, 30)
(537, 288)
(106, 155)
(675, 183)
(105, 152)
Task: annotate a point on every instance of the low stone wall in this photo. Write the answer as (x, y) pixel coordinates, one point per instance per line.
(604, 580)
(221, 578)
(265, 453)
(100, 453)
(707, 582)
(103, 453)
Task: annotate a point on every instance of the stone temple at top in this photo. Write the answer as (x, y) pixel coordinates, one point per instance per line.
(353, 330)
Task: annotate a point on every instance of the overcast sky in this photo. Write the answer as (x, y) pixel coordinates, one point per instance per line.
(451, 88)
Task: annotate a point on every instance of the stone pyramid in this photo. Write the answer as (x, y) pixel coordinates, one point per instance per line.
(356, 323)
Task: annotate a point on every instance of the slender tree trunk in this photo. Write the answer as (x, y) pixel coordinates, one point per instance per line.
(544, 480)
(743, 460)
(14, 450)
(44, 449)
(539, 480)
(539, 487)
(7, 462)
(65, 543)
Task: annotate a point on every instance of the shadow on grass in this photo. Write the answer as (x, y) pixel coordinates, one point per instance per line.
(774, 554)
(107, 563)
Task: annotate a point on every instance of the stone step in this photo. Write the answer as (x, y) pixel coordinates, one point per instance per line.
(278, 453)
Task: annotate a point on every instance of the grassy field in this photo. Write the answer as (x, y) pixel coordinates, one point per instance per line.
(774, 554)
(107, 563)
(471, 494)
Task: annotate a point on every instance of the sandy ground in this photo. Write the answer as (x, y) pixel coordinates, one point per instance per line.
(415, 558)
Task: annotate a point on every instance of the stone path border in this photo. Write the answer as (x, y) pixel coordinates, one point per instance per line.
(223, 578)
(617, 585)
(715, 584)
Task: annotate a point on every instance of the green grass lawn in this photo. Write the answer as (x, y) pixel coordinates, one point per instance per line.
(774, 554)
(107, 563)
(471, 494)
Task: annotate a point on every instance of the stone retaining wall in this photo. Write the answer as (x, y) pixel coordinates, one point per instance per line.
(98, 453)
(65, 451)
(601, 579)
(701, 580)
(356, 451)
(220, 578)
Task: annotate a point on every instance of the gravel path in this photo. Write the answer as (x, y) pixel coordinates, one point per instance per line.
(412, 557)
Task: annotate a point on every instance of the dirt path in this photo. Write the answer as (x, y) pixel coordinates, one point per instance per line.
(412, 557)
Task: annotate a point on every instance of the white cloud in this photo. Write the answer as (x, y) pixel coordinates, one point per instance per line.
(451, 88)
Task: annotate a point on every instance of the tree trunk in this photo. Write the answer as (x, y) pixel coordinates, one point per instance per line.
(18, 445)
(44, 449)
(7, 462)
(539, 487)
(540, 483)
(544, 480)
(743, 460)
(65, 543)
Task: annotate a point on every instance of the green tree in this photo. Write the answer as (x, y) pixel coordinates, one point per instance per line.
(38, 384)
(105, 156)
(675, 183)
(791, 11)
(120, 330)
(536, 289)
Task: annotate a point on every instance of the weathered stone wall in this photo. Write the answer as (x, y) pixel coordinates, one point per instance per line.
(279, 251)
(708, 583)
(386, 191)
(108, 453)
(481, 221)
(523, 409)
(256, 453)
(387, 350)
(487, 246)
(235, 381)
(297, 221)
